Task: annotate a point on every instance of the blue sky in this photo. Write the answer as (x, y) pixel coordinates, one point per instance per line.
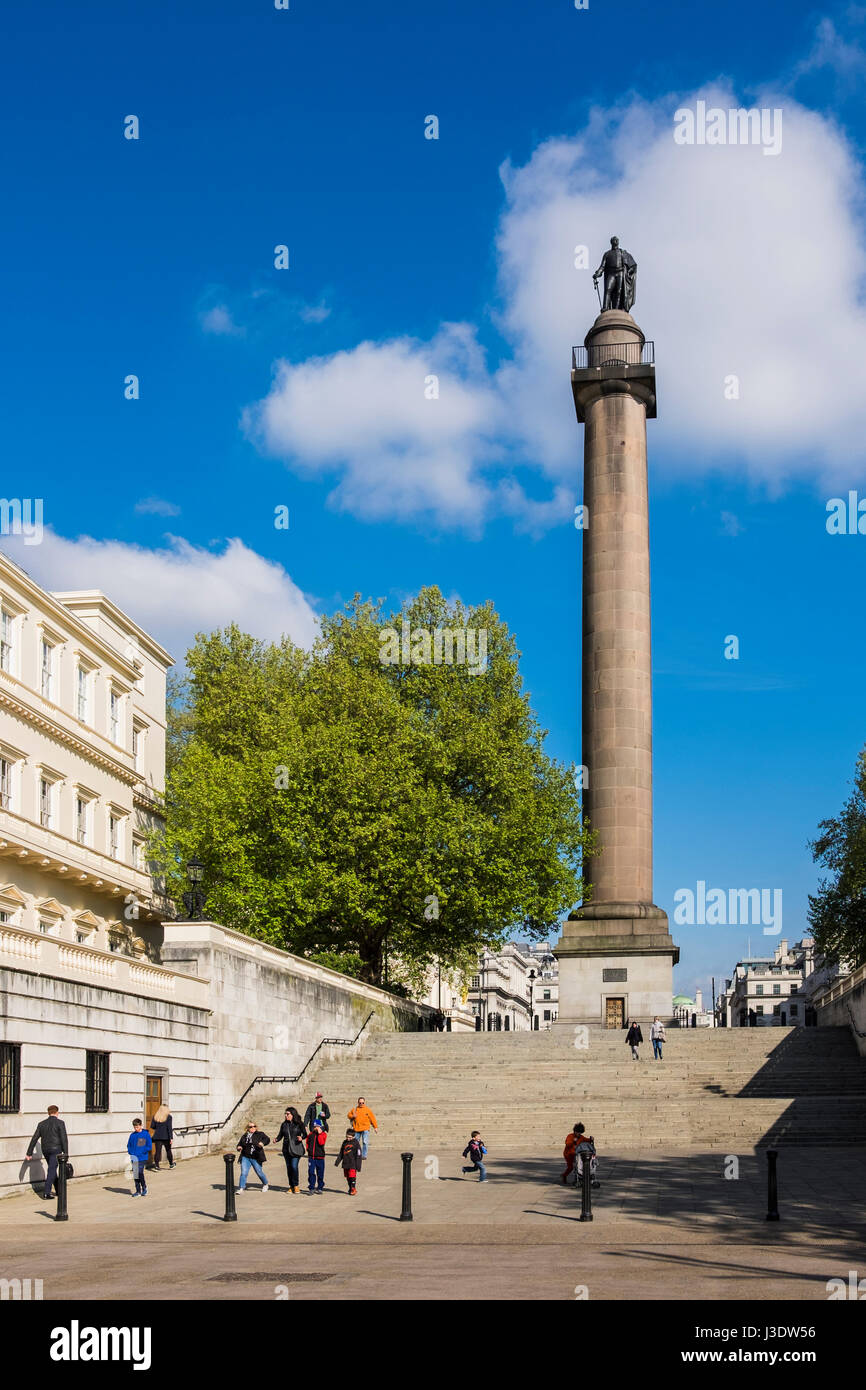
(455, 256)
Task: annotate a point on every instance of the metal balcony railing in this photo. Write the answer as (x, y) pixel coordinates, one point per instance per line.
(627, 354)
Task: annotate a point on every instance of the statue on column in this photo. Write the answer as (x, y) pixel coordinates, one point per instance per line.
(620, 277)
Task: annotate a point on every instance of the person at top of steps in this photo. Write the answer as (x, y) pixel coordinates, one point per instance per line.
(657, 1037)
(350, 1158)
(475, 1151)
(363, 1120)
(634, 1038)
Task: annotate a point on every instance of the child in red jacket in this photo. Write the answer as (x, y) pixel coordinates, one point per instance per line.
(350, 1158)
(316, 1141)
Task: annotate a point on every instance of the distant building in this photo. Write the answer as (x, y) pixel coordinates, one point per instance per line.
(690, 1013)
(499, 989)
(778, 990)
(447, 991)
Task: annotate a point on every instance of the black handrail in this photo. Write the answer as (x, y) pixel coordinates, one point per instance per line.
(276, 1080)
(631, 353)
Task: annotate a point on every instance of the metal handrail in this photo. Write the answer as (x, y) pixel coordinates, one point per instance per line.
(275, 1080)
(630, 354)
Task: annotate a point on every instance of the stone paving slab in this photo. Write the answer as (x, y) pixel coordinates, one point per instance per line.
(664, 1227)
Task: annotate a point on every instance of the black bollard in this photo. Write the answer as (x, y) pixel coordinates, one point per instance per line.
(406, 1213)
(586, 1190)
(231, 1213)
(62, 1213)
(772, 1186)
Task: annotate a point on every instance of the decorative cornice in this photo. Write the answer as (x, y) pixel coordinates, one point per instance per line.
(64, 736)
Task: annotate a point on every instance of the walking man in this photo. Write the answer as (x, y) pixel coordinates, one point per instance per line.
(51, 1134)
(657, 1037)
(363, 1120)
(317, 1110)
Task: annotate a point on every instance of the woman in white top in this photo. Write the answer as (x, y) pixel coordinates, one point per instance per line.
(657, 1037)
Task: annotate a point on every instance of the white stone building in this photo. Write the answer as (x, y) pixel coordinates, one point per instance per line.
(777, 990)
(499, 989)
(82, 762)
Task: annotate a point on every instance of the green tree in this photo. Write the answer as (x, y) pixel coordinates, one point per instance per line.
(837, 912)
(349, 809)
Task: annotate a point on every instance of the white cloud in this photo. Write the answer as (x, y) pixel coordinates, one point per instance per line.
(749, 267)
(314, 313)
(369, 414)
(156, 506)
(731, 524)
(219, 320)
(178, 590)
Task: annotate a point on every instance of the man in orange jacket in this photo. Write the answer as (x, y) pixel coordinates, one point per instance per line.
(363, 1120)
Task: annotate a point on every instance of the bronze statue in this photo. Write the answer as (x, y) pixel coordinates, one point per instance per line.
(620, 277)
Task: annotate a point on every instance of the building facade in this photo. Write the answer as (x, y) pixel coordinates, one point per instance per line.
(82, 762)
(779, 990)
(499, 989)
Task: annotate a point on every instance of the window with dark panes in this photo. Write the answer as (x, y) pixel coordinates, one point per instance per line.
(96, 1097)
(10, 1078)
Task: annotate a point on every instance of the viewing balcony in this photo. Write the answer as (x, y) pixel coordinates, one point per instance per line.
(624, 354)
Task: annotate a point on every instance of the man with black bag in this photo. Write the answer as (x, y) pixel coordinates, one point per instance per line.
(51, 1134)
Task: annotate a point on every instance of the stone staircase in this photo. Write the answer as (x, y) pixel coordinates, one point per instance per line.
(717, 1089)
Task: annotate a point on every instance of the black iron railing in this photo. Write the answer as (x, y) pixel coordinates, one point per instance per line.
(275, 1080)
(628, 354)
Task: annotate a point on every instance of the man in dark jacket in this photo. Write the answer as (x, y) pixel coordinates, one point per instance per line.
(317, 1110)
(634, 1038)
(51, 1134)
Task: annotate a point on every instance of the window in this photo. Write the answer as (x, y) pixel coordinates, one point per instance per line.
(46, 803)
(137, 853)
(795, 1009)
(81, 937)
(114, 837)
(46, 928)
(777, 989)
(759, 989)
(138, 747)
(547, 1015)
(83, 692)
(5, 784)
(96, 1096)
(777, 1009)
(474, 981)
(7, 641)
(547, 994)
(760, 1010)
(47, 666)
(81, 820)
(4, 918)
(114, 715)
(795, 989)
(10, 1078)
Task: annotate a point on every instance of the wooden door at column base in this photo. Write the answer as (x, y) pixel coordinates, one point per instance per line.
(152, 1097)
(614, 1013)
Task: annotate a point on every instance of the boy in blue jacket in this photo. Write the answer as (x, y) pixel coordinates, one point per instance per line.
(475, 1151)
(138, 1146)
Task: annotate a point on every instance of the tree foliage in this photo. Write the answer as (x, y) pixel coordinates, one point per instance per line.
(837, 913)
(345, 808)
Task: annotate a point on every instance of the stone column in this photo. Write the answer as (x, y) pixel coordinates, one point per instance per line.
(620, 933)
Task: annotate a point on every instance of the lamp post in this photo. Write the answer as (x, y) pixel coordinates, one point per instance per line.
(531, 984)
(196, 898)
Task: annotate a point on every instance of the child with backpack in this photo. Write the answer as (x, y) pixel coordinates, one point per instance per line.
(350, 1159)
(475, 1151)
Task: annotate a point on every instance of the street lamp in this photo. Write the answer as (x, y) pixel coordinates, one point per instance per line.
(196, 898)
(531, 983)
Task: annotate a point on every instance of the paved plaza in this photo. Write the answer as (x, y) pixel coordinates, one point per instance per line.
(664, 1227)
